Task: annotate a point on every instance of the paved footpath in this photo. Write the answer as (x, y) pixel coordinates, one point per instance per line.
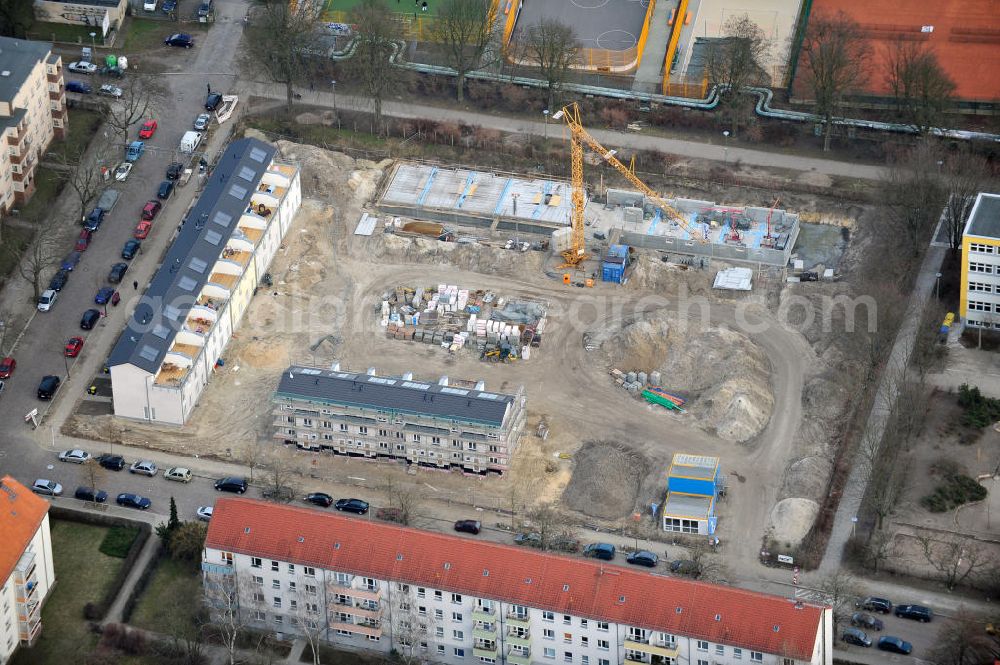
(693, 149)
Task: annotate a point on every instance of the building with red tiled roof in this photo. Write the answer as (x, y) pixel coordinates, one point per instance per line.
(378, 586)
(25, 565)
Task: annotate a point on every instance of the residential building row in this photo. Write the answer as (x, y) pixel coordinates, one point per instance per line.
(32, 113)
(379, 587)
(26, 571)
(197, 298)
(979, 304)
(430, 423)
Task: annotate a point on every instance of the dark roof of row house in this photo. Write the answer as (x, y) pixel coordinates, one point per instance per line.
(17, 58)
(394, 394)
(188, 263)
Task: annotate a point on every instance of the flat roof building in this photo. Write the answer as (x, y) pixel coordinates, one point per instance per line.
(979, 303)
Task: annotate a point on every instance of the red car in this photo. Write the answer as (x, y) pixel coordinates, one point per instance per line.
(73, 347)
(83, 242)
(7, 366)
(142, 230)
(148, 129)
(150, 209)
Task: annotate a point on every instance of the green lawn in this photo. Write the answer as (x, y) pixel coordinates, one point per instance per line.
(173, 594)
(397, 6)
(83, 124)
(47, 187)
(83, 575)
(65, 32)
(143, 34)
(13, 236)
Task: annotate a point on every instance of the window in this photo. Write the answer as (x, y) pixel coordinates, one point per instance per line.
(423, 646)
(756, 657)
(309, 571)
(567, 656)
(456, 598)
(459, 652)
(438, 595)
(343, 427)
(603, 645)
(291, 569)
(720, 650)
(983, 268)
(584, 623)
(549, 653)
(680, 526)
(421, 592)
(981, 248)
(485, 605)
(602, 625)
(458, 634)
(422, 610)
(275, 584)
(439, 631)
(291, 586)
(456, 616)
(255, 562)
(274, 566)
(549, 634)
(404, 606)
(980, 287)
(403, 588)
(567, 638)
(567, 619)
(548, 616)
(277, 601)
(978, 306)
(584, 660)
(293, 604)
(439, 614)
(311, 589)
(258, 598)
(603, 661)
(737, 653)
(227, 558)
(585, 641)
(702, 661)
(259, 581)
(637, 634)
(259, 615)
(440, 648)
(370, 583)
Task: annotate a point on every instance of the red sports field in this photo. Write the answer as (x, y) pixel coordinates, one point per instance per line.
(965, 36)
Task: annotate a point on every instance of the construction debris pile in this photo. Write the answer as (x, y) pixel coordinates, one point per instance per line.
(647, 386)
(454, 318)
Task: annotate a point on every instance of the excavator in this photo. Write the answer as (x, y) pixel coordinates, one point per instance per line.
(580, 137)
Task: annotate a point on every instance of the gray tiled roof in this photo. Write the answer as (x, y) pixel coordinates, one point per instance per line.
(176, 285)
(985, 217)
(19, 57)
(394, 394)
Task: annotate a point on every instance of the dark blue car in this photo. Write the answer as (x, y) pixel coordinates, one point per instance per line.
(70, 261)
(90, 494)
(105, 295)
(169, 6)
(130, 249)
(59, 280)
(94, 219)
(180, 39)
(79, 87)
(133, 501)
(894, 645)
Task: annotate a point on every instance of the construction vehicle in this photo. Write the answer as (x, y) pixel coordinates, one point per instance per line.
(579, 137)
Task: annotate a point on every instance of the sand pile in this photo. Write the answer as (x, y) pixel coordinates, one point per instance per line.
(605, 480)
(724, 375)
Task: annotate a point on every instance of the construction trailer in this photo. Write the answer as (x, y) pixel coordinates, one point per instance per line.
(614, 263)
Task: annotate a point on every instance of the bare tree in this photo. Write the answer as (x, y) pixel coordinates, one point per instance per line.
(82, 172)
(836, 64)
(278, 482)
(404, 500)
(965, 175)
(707, 566)
(552, 47)
(880, 546)
(546, 522)
(35, 259)
(463, 31)
(142, 97)
(187, 541)
(94, 475)
(841, 590)
(411, 628)
(911, 198)
(375, 32)
(5, 322)
(920, 87)
(184, 624)
(307, 616)
(964, 642)
(225, 604)
(292, 33)
(954, 559)
(736, 61)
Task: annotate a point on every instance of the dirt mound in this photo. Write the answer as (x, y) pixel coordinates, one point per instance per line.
(333, 176)
(605, 481)
(391, 248)
(723, 373)
(790, 521)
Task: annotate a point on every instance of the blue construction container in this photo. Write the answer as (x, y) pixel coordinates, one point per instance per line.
(614, 263)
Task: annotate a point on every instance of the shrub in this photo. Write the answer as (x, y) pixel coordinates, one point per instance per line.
(91, 612)
(956, 490)
(118, 541)
(979, 411)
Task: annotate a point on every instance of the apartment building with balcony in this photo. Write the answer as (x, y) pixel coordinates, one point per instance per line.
(32, 113)
(26, 570)
(379, 587)
(979, 303)
(430, 423)
(196, 300)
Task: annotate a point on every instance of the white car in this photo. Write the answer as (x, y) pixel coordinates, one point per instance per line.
(76, 456)
(149, 5)
(205, 513)
(123, 171)
(143, 467)
(178, 473)
(109, 90)
(202, 122)
(46, 300)
(47, 487)
(82, 67)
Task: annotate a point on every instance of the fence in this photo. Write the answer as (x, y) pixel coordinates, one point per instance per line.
(689, 89)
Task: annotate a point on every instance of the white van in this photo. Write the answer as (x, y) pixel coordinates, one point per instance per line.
(149, 5)
(190, 142)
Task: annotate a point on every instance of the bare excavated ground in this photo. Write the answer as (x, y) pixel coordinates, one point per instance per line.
(328, 283)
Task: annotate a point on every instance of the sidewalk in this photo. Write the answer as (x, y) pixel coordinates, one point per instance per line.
(693, 149)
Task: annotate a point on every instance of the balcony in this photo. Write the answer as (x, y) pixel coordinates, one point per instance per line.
(359, 629)
(666, 651)
(28, 633)
(486, 616)
(216, 569)
(515, 659)
(517, 620)
(223, 279)
(518, 640)
(171, 374)
(239, 256)
(480, 652)
(483, 634)
(366, 613)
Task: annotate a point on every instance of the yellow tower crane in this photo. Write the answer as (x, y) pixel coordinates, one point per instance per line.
(579, 137)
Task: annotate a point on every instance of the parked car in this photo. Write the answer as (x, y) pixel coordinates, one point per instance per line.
(685, 567)
(867, 621)
(143, 467)
(46, 487)
(109, 90)
(915, 612)
(117, 272)
(133, 501)
(83, 240)
(809, 276)
(150, 210)
(142, 230)
(59, 280)
(111, 462)
(71, 260)
(352, 506)
(231, 484)
(168, 6)
(73, 347)
(603, 551)
(202, 122)
(165, 189)
(7, 366)
(894, 645)
(856, 637)
(875, 604)
(82, 67)
(204, 9)
(46, 300)
(123, 171)
(107, 294)
(148, 129)
(94, 219)
(204, 513)
(212, 101)
(319, 499)
(642, 558)
(564, 543)
(130, 249)
(468, 526)
(90, 494)
(74, 456)
(78, 87)
(89, 319)
(529, 539)
(178, 473)
(48, 386)
(175, 170)
(179, 40)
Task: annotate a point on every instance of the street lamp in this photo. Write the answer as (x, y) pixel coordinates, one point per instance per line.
(725, 149)
(333, 84)
(937, 286)
(546, 134)
(92, 44)
(66, 365)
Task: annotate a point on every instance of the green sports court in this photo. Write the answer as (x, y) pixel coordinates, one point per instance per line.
(339, 9)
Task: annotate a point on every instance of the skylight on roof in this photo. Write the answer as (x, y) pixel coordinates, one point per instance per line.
(198, 265)
(148, 353)
(454, 391)
(488, 396)
(161, 331)
(186, 283)
(237, 192)
(415, 386)
(171, 312)
(222, 219)
(309, 370)
(382, 380)
(213, 237)
(258, 155)
(247, 174)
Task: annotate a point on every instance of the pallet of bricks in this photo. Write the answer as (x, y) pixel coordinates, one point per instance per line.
(427, 315)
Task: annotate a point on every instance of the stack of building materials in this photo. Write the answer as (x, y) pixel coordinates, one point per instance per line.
(647, 386)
